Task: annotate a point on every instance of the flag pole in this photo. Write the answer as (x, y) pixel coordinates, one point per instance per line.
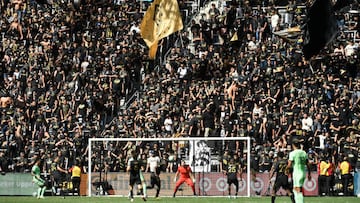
(181, 40)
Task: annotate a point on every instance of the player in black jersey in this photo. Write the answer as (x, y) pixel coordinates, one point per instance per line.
(232, 172)
(134, 168)
(281, 179)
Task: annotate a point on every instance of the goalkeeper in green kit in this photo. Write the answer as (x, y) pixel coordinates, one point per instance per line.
(298, 160)
(35, 172)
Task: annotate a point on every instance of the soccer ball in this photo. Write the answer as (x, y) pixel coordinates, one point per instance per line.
(358, 195)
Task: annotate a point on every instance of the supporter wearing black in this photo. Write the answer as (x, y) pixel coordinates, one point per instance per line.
(207, 122)
(196, 31)
(3, 163)
(120, 163)
(230, 17)
(254, 163)
(243, 126)
(281, 179)
(257, 128)
(194, 125)
(214, 12)
(264, 29)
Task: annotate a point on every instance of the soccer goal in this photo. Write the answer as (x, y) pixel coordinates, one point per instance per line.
(107, 160)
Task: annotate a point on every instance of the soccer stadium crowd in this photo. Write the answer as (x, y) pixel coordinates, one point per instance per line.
(67, 67)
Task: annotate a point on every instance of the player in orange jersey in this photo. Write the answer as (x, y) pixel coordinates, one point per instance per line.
(186, 175)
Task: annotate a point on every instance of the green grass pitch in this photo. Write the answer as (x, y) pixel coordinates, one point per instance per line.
(70, 199)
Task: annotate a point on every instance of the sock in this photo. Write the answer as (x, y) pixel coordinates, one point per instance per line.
(158, 187)
(39, 192)
(292, 198)
(157, 192)
(299, 198)
(175, 190)
(42, 191)
(131, 194)
(144, 189)
(273, 199)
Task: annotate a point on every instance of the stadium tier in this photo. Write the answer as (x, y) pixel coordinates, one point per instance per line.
(78, 70)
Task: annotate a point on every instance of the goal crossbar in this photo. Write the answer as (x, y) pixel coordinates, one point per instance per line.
(247, 139)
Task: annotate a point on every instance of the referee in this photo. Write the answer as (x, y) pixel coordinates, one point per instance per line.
(281, 179)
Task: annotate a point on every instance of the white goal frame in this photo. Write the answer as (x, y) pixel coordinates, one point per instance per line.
(247, 139)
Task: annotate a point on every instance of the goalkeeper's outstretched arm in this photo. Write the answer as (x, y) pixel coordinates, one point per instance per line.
(176, 175)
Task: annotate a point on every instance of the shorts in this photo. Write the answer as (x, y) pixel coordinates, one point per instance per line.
(141, 175)
(76, 181)
(38, 181)
(234, 181)
(154, 179)
(135, 179)
(282, 182)
(298, 178)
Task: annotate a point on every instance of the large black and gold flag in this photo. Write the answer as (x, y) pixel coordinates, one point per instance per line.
(320, 29)
(161, 19)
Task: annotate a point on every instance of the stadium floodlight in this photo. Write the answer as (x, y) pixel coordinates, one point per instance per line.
(201, 153)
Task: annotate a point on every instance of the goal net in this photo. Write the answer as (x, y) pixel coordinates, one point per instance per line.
(207, 157)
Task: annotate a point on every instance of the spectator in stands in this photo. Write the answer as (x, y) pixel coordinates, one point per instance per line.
(275, 20)
(3, 163)
(213, 13)
(350, 49)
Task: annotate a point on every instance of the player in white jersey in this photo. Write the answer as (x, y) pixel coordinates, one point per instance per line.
(153, 166)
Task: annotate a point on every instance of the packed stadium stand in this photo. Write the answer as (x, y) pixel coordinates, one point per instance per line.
(73, 70)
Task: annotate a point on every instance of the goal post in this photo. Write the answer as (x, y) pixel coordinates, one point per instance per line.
(202, 154)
